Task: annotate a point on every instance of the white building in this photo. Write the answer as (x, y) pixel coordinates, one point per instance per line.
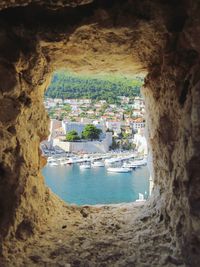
(138, 103)
(141, 144)
(86, 120)
(77, 101)
(49, 104)
(137, 112)
(124, 99)
(138, 125)
(114, 126)
(102, 101)
(58, 100)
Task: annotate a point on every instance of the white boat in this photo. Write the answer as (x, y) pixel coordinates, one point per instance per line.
(85, 166)
(111, 161)
(98, 164)
(129, 165)
(50, 159)
(53, 163)
(141, 198)
(80, 160)
(72, 160)
(119, 169)
(63, 162)
(108, 161)
(138, 163)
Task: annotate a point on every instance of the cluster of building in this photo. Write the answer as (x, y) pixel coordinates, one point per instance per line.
(114, 120)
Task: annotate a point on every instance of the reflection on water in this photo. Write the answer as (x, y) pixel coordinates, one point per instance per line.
(95, 185)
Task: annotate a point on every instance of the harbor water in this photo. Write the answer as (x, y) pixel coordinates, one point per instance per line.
(96, 185)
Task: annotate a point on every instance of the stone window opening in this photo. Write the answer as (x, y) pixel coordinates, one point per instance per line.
(135, 183)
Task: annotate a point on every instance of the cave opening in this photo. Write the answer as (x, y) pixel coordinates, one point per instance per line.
(112, 168)
(36, 227)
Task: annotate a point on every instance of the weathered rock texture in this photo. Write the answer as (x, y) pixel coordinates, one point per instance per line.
(99, 236)
(157, 37)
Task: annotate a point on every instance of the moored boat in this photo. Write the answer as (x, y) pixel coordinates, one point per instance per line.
(98, 164)
(85, 166)
(129, 165)
(138, 163)
(72, 160)
(119, 170)
(111, 161)
(63, 162)
(53, 163)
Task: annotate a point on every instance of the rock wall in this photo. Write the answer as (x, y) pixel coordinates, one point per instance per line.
(171, 126)
(172, 93)
(118, 36)
(23, 124)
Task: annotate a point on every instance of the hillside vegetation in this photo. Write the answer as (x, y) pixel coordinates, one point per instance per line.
(99, 87)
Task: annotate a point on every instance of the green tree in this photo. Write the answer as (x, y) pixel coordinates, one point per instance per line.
(91, 132)
(114, 145)
(104, 107)
(72, 136)
(96, 87)
(63, 114)
(67, 108)
(125, 135)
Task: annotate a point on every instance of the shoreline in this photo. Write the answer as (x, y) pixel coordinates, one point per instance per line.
(120, 205)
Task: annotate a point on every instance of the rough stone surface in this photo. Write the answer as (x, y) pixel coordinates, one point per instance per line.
(116, 235)
(49, 3)
(160, 38)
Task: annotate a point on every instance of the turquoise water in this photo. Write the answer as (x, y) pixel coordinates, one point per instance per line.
(95, 185)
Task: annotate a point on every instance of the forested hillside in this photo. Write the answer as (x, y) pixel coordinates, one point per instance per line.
(104, 87)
